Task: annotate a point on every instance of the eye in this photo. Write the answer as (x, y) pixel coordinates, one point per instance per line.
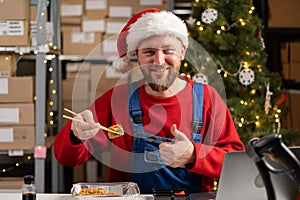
(169, 51)
(148, 52)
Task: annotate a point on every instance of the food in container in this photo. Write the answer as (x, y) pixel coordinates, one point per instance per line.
(105, 189)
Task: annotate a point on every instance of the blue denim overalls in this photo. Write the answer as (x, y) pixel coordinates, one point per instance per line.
(147, 168)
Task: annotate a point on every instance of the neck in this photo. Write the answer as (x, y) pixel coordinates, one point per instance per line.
(175, 88)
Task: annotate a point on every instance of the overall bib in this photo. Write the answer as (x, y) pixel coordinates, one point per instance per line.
(147, 168)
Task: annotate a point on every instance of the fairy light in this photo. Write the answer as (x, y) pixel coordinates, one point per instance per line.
(278, 110)
(253, 91)
(240, 125)
(51, 103)
(53, 91)
(198, 23)
(51, 81)
(242, 102)
(257, 117)
(218, 32)
(223, 28)
(185, 64)
(246, 64)
(51, 122)
(51, 69)
(242, 120)
(257, 123)
(201, 28)
(51, 114)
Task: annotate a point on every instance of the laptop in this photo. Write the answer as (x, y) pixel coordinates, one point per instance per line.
(240, 179)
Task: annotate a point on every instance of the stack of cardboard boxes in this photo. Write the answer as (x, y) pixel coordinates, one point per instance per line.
(90, 27)
(14, 23)
(17, 113)
(290, 58)
(16, 93)
(283, 15)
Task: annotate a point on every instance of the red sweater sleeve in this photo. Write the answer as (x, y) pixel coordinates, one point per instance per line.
(219, 136)
(71, 154)
(67, 153)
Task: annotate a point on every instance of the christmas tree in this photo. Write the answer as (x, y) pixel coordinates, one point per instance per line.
(230, 32)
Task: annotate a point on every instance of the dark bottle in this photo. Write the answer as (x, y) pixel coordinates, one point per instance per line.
(29, 188)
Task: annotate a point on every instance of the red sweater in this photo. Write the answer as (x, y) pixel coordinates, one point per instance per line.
(219, 133)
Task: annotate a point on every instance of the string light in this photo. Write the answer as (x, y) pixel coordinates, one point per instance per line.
(16, 165)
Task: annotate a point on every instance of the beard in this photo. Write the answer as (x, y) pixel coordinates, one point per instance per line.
(160, 83)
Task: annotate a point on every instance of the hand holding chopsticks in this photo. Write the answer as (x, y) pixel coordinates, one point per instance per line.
(100, 126)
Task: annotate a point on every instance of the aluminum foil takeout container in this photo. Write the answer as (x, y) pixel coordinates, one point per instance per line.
(117, 189)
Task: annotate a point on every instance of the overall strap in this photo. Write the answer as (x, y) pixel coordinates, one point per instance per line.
(198, 94)
(134, 104)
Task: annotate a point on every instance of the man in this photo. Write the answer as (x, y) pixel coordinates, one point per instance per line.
(176, 132)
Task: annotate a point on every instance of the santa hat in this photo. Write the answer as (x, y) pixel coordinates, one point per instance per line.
(147, 23)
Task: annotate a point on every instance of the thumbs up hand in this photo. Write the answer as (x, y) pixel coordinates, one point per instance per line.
(179, 153)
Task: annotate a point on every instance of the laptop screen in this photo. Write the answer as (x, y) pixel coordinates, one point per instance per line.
(240, 179)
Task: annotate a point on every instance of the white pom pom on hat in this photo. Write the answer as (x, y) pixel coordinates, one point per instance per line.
(144, 24)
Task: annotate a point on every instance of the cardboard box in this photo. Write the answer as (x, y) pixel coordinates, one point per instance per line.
(70, 28)
(131, 3)
(295, 52)
(290, 52)
(284, 14)
(71, 20)
(76, 88)
(96, 9)
(146, 4)
(14, 10)
(8, 65)
(93, 25)
(115, 25)
(17, 137)
(71, 8)
(17, 89)
(292, 109)
(109, 45)
(291, 71)
(82, 43)
(120, 11)
(17, 114)
(14, 33)
(104, 78)
(11, 183)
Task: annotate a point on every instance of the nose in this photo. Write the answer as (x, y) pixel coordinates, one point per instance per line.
(159, 57)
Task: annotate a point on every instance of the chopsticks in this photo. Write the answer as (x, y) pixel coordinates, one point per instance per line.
(73, 119)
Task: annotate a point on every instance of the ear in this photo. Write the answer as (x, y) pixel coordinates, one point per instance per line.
(183, 52)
